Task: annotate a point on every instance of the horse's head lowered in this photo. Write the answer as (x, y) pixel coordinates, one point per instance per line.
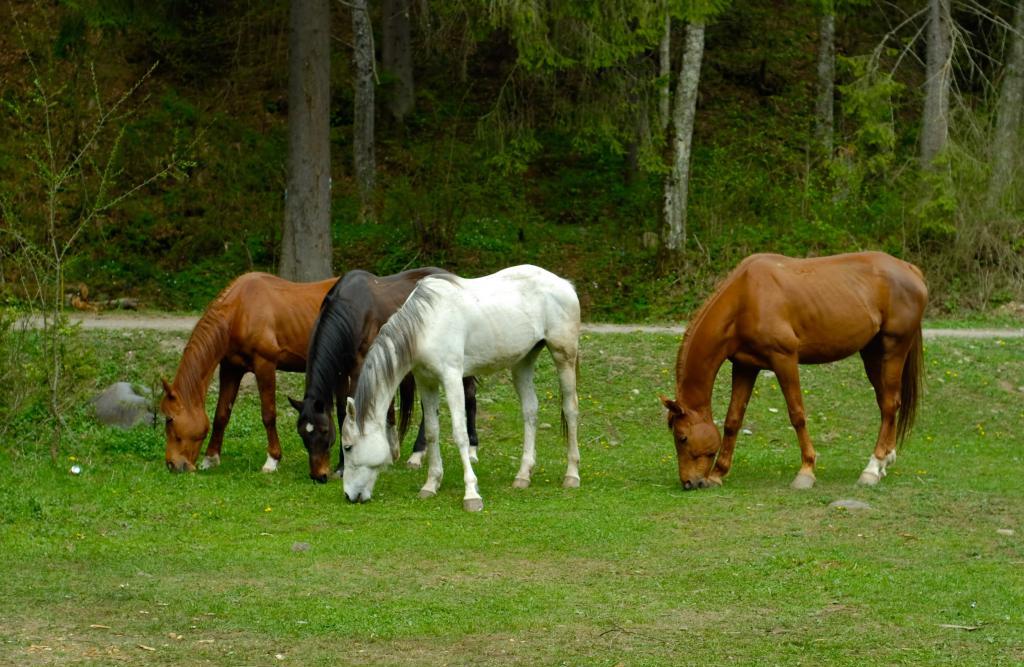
(316, 428)
(186, 428)
(697, 443)
(368, 449)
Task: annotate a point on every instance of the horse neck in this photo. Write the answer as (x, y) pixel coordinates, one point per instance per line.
(333, 355)
(707, 344)
(206, 347)
(379, 378)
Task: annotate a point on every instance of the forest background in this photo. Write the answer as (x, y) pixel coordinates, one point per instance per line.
(517, 132)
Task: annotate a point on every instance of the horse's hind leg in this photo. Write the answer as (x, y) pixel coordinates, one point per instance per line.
(230, 378)
(566, 359)
(266, 381)
(883, 362)
(787, 371)
(431, 429)
(522, 377)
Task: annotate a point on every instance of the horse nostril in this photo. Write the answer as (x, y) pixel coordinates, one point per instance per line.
(319, 479)
(351, 499)
(687, 485)
(170, 467)
(702, 484)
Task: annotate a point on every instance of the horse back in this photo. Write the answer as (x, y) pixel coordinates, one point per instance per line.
(827, 307)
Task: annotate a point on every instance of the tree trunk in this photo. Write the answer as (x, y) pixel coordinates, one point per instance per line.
(938, 73)
(396, 56)
(677, 184)
(364, 158)
(823, 119)
(665, 74)
(306, 237)
(1006, 142)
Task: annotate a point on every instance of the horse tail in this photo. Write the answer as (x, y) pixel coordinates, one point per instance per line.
(910, 388)
(406, 396)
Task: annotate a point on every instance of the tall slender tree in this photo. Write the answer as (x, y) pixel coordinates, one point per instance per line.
(306, 235)
(1006, 142)
(396, 56)
(363, 146)
(678, 182)
(823, 108)
(938, 79)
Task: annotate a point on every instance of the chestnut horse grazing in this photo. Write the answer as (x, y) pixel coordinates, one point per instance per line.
(774, 312)
(352, 313)
(259, 323)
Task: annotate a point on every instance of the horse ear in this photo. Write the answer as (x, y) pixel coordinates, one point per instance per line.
(168, 391)
(671, 405)
(350, 408)
(295, 404)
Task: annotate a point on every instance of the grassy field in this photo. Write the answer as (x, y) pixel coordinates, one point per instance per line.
(125, 563)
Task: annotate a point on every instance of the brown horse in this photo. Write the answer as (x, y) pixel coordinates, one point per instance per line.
(774, 312)
(259, 323)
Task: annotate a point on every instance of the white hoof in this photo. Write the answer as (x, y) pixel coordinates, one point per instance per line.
(802, 481)
(520, 483)
(571, 482)
(868, 479)
(473, 457)
(426, 493)
(270, 465)
(415, 461)
(338, 474)
(209, 462)
(473, 504)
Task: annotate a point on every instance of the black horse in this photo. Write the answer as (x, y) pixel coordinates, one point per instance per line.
(351, 314)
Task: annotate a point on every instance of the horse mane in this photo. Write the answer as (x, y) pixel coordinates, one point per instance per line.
(205, 348)
(337, 335)
(698, 319)
(392, 353)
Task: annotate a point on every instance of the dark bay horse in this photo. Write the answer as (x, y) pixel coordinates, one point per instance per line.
(350, 317)
(774, 312)
(259, 323)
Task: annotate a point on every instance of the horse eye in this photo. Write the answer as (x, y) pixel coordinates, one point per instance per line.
(347, 448)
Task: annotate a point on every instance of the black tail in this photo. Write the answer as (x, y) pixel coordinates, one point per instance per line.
(910, 388)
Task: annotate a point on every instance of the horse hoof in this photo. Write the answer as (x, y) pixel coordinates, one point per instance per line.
(426, 493)
(520, 483)
(473, 457)
(209, 462)
(415, 461)
(571, 482)
(473, 504)
(802, 481)
(868, 479)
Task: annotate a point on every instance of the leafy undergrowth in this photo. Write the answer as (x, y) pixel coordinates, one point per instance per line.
(126, 563)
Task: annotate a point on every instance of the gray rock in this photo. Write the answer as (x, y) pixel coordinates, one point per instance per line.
(301, 546)
(119, 405)
(849, 504)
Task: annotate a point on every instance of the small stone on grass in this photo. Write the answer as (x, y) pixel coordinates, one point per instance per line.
(849, 504)
(300, 546)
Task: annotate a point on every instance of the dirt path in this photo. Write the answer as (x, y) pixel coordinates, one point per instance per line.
(184, 323)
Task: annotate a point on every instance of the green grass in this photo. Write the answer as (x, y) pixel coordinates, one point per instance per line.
(628, 569)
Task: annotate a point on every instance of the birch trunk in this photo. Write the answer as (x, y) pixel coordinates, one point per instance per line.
(396, 56)
(677, 184)
(935, 122)
(1006, 142)
(306, 235)
(823, 118)
(363, 149)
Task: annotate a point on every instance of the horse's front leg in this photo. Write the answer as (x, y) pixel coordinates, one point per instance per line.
(743, 378)
(266, 382)
(430, 400)
(787, 370)
(230, 378)
(471, 501)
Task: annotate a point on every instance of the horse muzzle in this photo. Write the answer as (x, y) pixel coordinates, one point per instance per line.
(319, 479)
(357, 500)
(695, 483)
(180, 466)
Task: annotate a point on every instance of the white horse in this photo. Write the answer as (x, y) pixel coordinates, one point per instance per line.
(448, 328)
